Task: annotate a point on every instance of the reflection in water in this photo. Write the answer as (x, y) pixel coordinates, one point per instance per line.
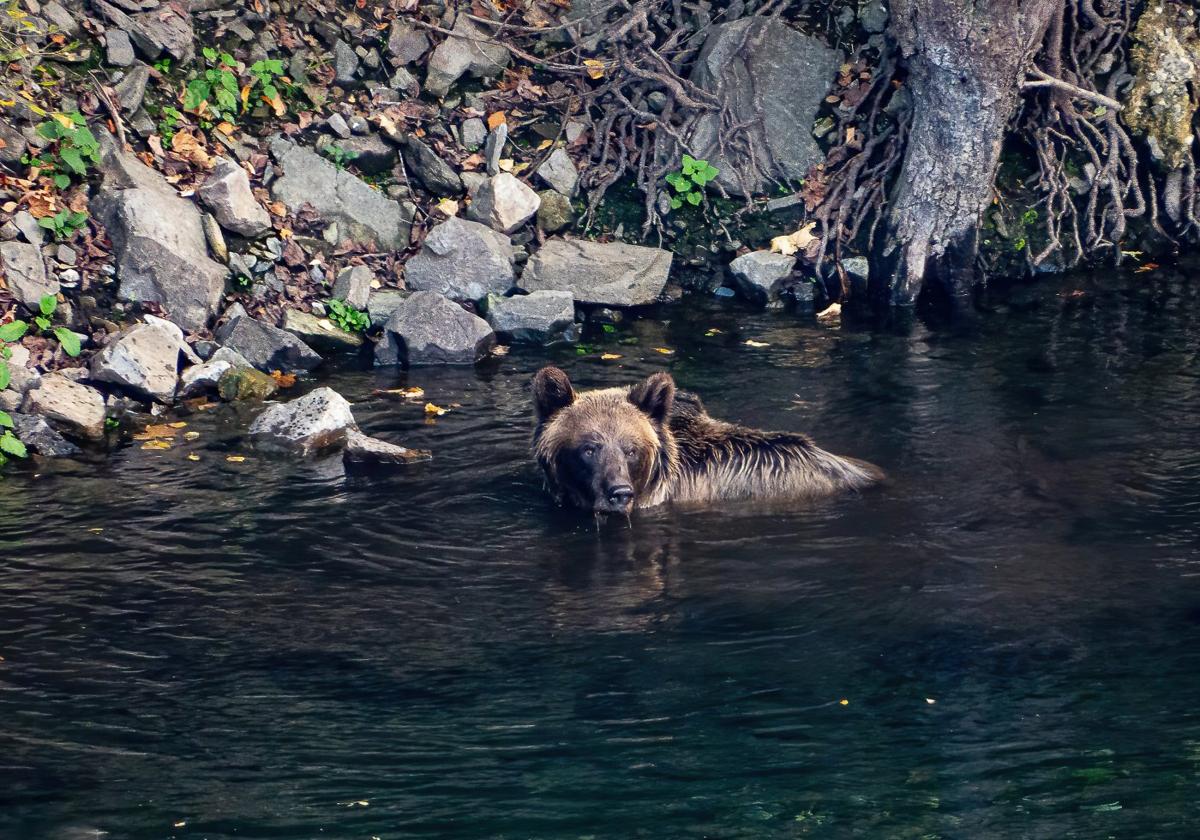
(253, 649)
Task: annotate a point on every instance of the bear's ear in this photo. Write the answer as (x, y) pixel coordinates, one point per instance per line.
(552, 392)
(655, 396)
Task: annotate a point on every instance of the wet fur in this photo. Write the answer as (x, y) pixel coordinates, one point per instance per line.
(688, 456)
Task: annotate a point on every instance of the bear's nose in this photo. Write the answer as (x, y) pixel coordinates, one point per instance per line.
(620, 494)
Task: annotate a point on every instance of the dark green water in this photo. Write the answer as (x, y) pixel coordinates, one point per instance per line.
(249, 650)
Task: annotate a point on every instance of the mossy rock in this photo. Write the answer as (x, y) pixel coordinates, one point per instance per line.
(246, 384)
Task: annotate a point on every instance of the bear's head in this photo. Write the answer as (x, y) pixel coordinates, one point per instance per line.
(602, 451)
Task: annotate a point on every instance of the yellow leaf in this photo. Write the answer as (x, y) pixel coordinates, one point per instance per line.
(157, 443)
(712, 331)
(665, 351)
(193, 457)
(496, 119)
(178, 425)
(226, 128)
(545, 144)
(161, 430)
(750, 342)
(793, 242)
(435, 410)
(608, 357)
(191, 436)
(595, 68)
(448, 207)
(831, 315)
(505, 164)
(65, 120)
(235, 459)
(844, 702)
(246, 95)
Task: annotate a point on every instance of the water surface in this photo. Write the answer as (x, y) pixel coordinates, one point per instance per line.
(1003, 642)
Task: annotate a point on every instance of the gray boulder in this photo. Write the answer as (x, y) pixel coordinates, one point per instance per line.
(353, 285)
(382, 303)
(372, 154)
(345, 64)
(266, 347)
(118, 49)
(435, 174)
(556, 212)
(166, 30)
(760, 67)
(559, 173)
(226, 192)
(74, 408)
(474, 133)
(20, 376)
(760, 275)
(362, 214)
(428, 329)
(25, 273)
(41, 437)
(320, 333)
(144, 360)
(504, 203)
(405, 42)
(159, 242)
(204, 377)
(536, 317)
(131, 90)
(361, 449)
(308, 424)
(463, 260)
(608, 274)
(468, 50)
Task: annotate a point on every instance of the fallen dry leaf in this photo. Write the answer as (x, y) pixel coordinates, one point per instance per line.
(595, 68)
(831, 314)
(157, 443)
(235, 459)
(154, 431)
(608, 357)
(750, 342)
(435, 410)
(447, 207)
(793, 242)
(284, 380)
(665, 351)
(495, 120)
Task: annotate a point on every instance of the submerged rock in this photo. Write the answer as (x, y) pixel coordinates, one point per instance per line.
(74, 408)
(761, 274)
(159, 242)
(538, 316)
(773, 79)
(245, 383)
(428, 329)
(362, 449)
(463, 260)
(266, 347)
(604, 273)
(315, 421)
(361, 213)
(226, 192)
(144, 360)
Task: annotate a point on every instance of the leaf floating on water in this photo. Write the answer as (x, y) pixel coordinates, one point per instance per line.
(235, 459)
(193, 457)
(157, 444)
(608, 357)
(191, 435)
(750, 342)
(435, 410)
(358, 803)
(283, 380)
(1142, 269)
(179, 824)
(159, 430)
(843, 702)
(666, 351)
(178, 425)
(712, 331)
(500, 350)
(930, 701)
(413, 393)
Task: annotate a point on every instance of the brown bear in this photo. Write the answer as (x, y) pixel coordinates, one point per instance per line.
(614, 449)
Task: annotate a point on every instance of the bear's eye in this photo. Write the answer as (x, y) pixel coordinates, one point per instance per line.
(631, 453)
(589, 452)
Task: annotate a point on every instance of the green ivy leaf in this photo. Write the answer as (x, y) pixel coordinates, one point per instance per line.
(48, 304)
(710, 172)
(5, 375)
(676, 202)
(694, 198)
(13, 331)
(50, 129)
(68, 340)
(42, 323)
(62, 181)
(210, 53)
(5, 420)
(11, 446)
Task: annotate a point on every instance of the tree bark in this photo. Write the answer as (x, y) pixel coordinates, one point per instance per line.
(966, 60)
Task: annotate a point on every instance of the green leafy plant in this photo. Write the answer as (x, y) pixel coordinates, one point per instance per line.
(16, 329)
(73, 150)
(689, 181)
(10, 445)
(218, 91)
(1029, 216)
(268, 76)
(168, 123)
(63, 223)
(338, 156)
(346, 317)
(163, 65)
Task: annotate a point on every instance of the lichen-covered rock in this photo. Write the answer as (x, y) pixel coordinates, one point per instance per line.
(362, 214)
(555, 213)
(604, 273)
(74, 408)
(536, 317)
(772, 79)
(266, 347)
(462, 260)
(308, 424)
(428, 329)
(25, 273)
(761, 274)
(226, 192)
(245, 383)
(362, 449)
(143, 360)
(504, 203)
(1165, 59)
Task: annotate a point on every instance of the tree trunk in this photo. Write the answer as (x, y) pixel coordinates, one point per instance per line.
(966, 60)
